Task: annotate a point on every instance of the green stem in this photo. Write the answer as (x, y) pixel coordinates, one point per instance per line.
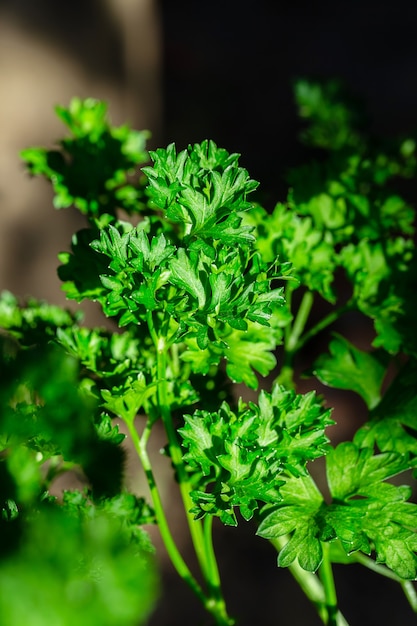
(410, 593)
(173, 552)
(204, 553)
(308, 581)
(211, 557)
(375, 567)
(291, 336)
(176, 458)
(326, 575)
(299, 322)
(214, 577)
(324, 323)
(288, 328)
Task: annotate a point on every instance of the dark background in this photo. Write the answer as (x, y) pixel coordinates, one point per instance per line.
(192, 70)
(229, 67)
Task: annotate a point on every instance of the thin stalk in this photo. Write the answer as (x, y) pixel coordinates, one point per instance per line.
(322, 324)
(375, 567)
(410, 593)
(326, 575)
(291, 336)
(211, 557)
(308, 581)
(173, 552)
(300, 321)
(176, 458)
(215, 604)
(288, 299)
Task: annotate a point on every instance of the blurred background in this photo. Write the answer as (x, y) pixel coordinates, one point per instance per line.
(190, 70)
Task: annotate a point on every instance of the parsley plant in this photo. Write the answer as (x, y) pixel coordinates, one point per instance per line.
(203, 288)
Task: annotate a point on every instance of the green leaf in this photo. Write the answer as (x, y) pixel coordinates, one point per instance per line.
(48, 411)
(368, 514)
(286, 235)
(392, 425)
(202, 188)
(365, 513)
(347, 367)
(125, 401)
(248, 352)
(81, 268)
(184, 275)
(332, 113)
(60, 573)
(301, 504)
(351, 470)
(35, 321)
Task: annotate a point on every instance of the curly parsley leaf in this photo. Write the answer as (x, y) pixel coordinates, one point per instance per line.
(334, 116)
(46, 412)
(202, 188)
(200, 288)
(241, 455)
(35, 321)
(287, 236)
(81, 268)
(382, 274)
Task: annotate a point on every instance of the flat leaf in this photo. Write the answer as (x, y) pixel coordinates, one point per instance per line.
(347, 367)
(184, 275)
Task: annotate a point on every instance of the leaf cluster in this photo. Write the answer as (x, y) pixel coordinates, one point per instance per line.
(91, 168)
(50, 424)
(365, 512)
(76, 568)
(243, 455)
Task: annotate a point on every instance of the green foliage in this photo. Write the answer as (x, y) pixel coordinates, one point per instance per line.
(82, 569)
(333, 114)
(91, 168)
(241, 455)
(392, 423)
(365, 513)
(203, 190)
(206, 290)
(57, 563)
